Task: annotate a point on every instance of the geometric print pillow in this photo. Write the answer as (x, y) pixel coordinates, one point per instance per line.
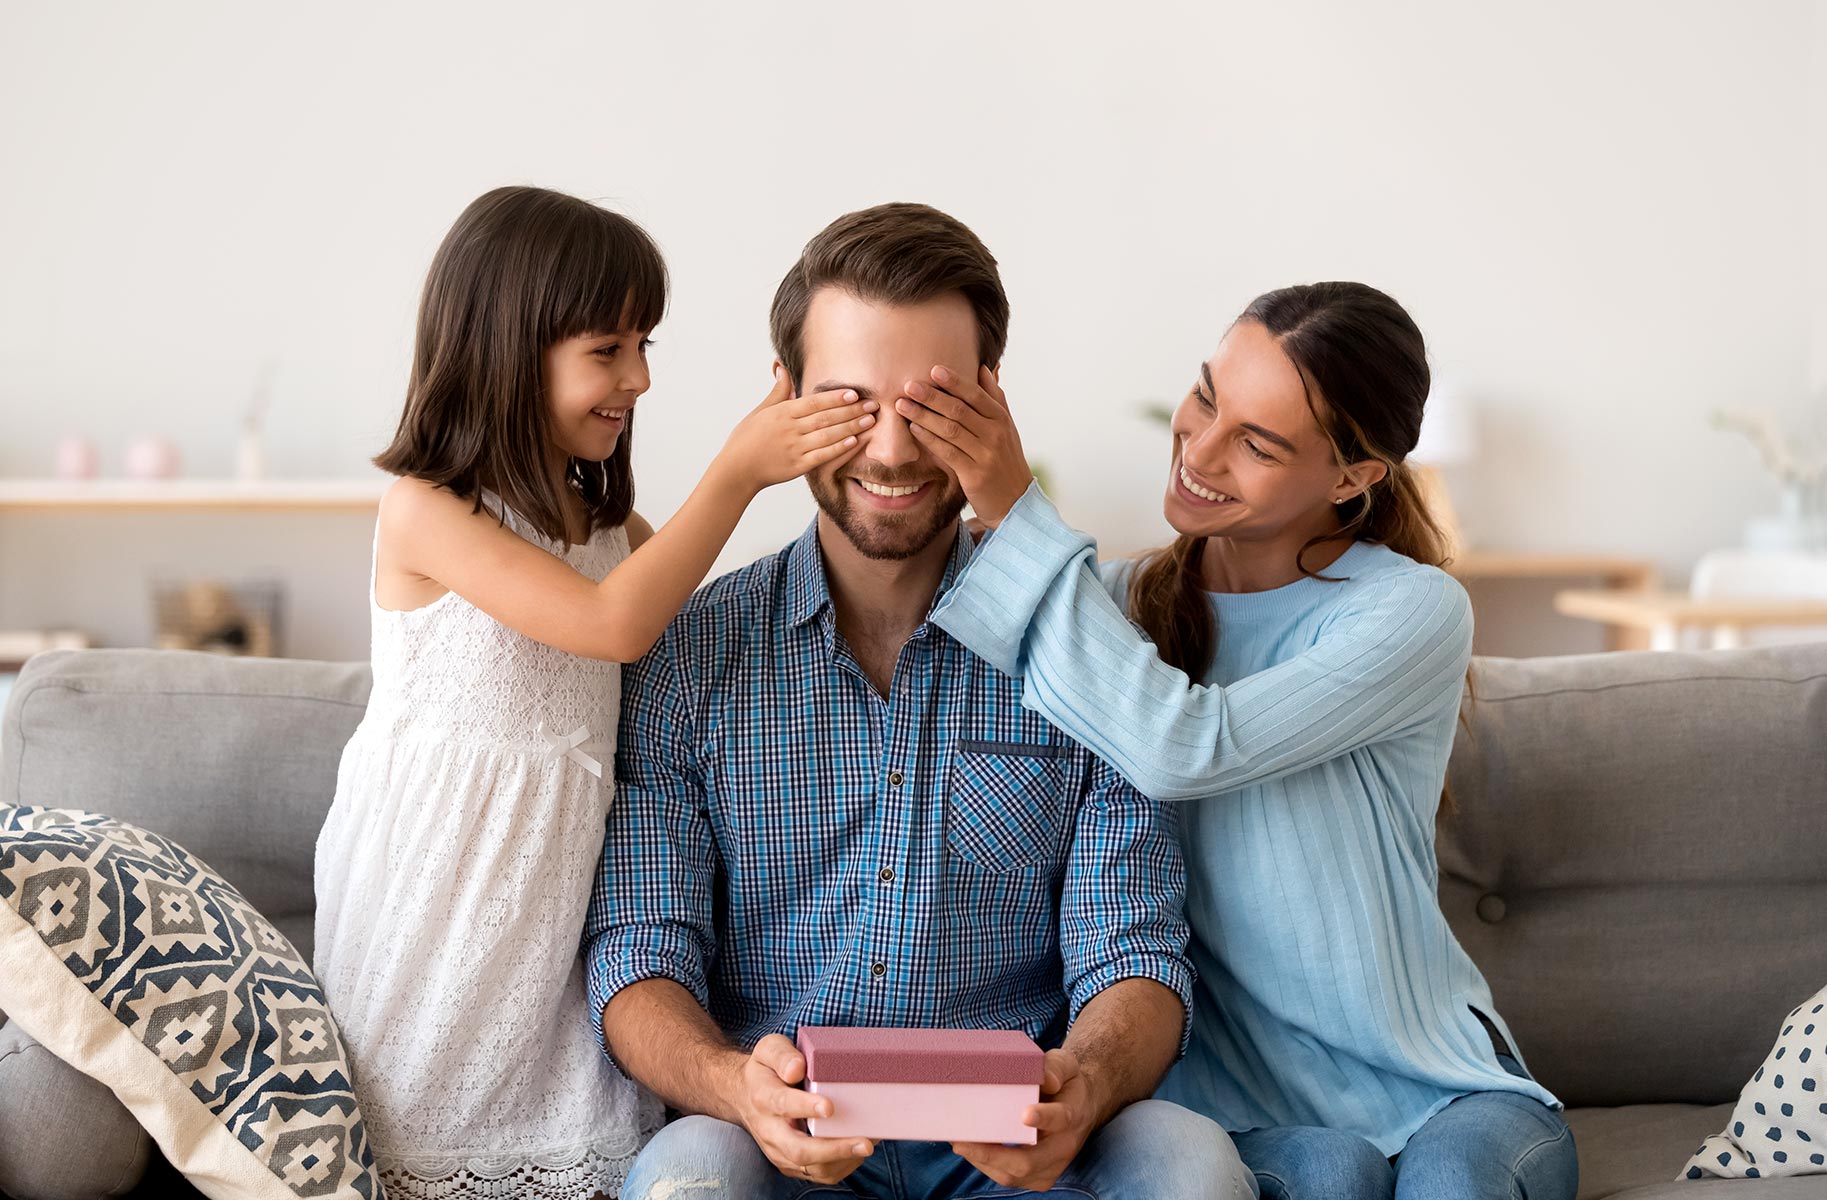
(1780, 1124)
(139, 966)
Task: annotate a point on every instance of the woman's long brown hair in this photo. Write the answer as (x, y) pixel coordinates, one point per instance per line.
(1363, 362)
(522, 269)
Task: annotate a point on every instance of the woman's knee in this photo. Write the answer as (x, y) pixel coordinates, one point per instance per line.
(1491, 1144)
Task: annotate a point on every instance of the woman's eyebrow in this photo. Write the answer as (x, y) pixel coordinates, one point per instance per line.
(1267, 435)
(1271, 436)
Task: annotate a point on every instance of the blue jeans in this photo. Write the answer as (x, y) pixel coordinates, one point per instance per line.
(1486, 1146)
(1152, 1150)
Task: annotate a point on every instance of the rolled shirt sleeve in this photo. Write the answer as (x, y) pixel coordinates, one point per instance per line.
(1123, 905)
(652, 908)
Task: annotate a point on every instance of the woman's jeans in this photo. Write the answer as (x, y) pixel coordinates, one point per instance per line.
(1486, 1146)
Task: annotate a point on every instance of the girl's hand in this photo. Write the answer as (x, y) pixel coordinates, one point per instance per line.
(968, 428)
(786, 436)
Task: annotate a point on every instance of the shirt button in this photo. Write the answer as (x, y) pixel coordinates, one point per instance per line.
(886, 875)
(879, 970)
(894, 778)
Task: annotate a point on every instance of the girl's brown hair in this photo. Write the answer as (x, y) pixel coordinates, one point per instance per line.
(1363, 363)
(522, 269)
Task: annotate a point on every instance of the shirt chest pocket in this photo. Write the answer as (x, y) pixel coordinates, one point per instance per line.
(1005, 805)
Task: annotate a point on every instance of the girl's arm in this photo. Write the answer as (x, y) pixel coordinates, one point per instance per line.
(435, 535)
(638, 530)
(1031, 603)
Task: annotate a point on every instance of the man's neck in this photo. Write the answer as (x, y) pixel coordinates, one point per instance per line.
(881, 601)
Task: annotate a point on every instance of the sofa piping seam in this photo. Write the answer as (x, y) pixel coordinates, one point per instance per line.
(1637, 683)
(88, 691)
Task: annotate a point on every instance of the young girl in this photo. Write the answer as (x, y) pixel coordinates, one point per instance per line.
(1295, 679)
(511, 577)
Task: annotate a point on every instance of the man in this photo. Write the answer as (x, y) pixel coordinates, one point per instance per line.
(831, 813)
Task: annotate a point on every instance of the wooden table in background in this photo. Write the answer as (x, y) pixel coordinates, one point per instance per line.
(1615, 573)
(1661, 616)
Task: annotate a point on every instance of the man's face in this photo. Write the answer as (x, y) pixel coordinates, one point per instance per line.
(892, 498)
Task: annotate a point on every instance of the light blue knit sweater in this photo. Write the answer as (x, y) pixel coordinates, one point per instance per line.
(1331, 990)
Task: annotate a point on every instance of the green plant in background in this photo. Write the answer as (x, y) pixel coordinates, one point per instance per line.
(1041, 475)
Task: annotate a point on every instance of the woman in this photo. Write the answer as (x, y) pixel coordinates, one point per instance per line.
(1296, 679)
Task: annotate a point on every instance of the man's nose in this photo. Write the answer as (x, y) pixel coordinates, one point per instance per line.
(890, 442)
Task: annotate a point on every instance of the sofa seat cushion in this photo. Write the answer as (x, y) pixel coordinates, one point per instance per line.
(1636, 1152)
(63, 1136)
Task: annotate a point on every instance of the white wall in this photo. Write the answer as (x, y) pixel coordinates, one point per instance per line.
(1600, 214)
(1817, 207)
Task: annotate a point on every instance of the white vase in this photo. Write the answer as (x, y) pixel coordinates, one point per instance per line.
(250, 456)
(1800, 525)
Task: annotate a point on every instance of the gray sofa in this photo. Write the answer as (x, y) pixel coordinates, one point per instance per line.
(1637, 859)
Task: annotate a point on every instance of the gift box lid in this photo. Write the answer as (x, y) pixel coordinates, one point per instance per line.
(847, 1054)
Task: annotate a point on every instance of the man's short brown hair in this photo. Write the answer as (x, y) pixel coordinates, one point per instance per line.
(894, 254)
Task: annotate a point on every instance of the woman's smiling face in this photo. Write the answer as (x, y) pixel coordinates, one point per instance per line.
(1250, 460)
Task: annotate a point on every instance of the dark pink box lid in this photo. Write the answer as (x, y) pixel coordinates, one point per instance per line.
(848, 1054)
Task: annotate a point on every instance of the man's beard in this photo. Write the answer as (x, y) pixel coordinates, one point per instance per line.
(887, 536)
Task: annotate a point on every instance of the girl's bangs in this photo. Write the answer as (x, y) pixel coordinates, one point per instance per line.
(610, 279)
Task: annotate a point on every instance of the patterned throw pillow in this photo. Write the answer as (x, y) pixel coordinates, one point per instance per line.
(1780, 1124)
(139, 966)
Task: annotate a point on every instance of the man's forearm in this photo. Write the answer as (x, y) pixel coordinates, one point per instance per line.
(1125, 1038)
(665, 1041)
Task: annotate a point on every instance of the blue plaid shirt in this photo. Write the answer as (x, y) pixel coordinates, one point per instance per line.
(794, 849)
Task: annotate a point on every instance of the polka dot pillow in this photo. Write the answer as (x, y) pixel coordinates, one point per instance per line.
(139, 966)
(1780, 1124)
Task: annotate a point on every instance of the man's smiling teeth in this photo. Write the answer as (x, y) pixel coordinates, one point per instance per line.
(876, 489)
(1186, 481)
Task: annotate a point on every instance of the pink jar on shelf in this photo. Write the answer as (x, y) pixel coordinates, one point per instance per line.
(153, 457)
(77, 458)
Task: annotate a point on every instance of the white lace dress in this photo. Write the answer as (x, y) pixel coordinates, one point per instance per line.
(453, 873)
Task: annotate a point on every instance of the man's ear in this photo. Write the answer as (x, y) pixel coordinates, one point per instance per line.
(778, 368)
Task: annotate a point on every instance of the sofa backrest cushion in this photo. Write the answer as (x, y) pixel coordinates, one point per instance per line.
(234, 759)
(1638, 861)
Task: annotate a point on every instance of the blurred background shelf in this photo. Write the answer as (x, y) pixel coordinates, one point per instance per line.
(1542, 574)
(1613, 571)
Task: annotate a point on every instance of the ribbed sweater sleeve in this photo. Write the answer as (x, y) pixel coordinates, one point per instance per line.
(1032, 604)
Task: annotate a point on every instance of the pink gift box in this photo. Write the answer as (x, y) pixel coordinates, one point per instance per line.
(923, 1085)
